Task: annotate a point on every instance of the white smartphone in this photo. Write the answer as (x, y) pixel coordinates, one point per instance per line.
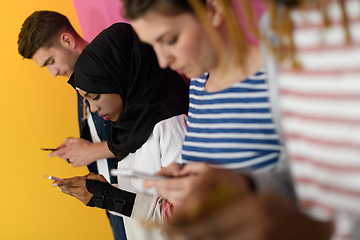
(127, 172)
(52, 178)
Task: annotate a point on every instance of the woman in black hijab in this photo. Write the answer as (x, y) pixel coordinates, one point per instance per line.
(116, 62)
(120, 78)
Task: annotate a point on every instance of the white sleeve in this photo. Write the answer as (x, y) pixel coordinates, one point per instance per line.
(171, 135)
(148, 208)
(145, 208)
(161, 149)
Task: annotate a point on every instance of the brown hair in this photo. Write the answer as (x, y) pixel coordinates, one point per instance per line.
(136, 8)
(282, 26)
(40, 29)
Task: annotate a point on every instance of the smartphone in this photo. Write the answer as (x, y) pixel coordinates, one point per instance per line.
(127, 172)
(52, 178)
(49, 149)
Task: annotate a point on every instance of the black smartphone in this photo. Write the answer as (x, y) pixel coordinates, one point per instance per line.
(49, 149)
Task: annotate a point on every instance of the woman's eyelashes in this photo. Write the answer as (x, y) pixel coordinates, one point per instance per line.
(96, 97)
(172, 41)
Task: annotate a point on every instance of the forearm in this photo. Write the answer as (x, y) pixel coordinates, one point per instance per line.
(108, 197)
(100, 150)
(148, 208)
(137, 206)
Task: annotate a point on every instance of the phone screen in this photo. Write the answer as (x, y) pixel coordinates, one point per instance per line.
(135, 174)
(52, 177)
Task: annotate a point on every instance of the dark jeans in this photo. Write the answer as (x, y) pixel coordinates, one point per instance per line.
(117, 226)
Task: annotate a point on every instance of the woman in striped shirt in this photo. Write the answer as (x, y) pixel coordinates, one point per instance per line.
(318, 84)
(231, 122)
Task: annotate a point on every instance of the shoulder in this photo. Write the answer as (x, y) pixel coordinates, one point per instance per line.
(171, 125)
(170, 130)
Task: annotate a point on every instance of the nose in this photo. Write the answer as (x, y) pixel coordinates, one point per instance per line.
(93, 107)
(164, 57)
(53, 70)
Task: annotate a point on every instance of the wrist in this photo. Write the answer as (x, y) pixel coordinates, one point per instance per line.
(100, 150)
(106, 196)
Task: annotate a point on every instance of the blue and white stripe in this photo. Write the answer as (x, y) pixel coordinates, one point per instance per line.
(232, 128)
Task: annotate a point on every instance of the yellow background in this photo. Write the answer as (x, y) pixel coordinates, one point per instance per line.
(37, 111)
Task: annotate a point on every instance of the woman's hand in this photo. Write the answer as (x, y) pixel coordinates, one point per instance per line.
(80, 152)
(197, 179)
(178, 186)
(255, 216)
(76, 186)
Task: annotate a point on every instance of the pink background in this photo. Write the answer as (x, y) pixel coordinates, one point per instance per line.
(96, 15)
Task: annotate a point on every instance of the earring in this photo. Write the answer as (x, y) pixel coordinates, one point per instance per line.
(216, 22)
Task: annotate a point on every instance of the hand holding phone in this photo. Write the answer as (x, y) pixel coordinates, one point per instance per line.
(52, 178)
(127, 172)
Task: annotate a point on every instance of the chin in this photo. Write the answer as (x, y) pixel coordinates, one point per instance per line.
(194, 74)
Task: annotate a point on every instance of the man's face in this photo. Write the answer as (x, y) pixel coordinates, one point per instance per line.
(58, 59)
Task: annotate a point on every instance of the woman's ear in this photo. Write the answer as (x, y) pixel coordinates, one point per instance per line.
(215, 12)
(68, 41)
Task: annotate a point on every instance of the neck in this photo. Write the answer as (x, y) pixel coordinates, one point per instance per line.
(221, 77)
(81, 44)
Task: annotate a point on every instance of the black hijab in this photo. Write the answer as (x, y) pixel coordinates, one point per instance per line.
(117, 62)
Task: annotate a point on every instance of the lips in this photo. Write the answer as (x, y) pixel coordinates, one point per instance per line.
(180, 70)
(105, 117)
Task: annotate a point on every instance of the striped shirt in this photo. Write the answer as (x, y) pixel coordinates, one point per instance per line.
(232, 128)
(321, 118)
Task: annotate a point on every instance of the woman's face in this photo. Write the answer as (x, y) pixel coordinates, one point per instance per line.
(180, 42)
(108, 106)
